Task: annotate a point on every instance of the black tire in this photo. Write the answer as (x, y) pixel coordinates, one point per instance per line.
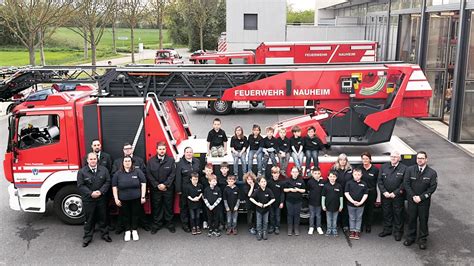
(68, 205)
(220, 107)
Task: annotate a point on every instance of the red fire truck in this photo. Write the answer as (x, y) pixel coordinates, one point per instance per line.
(357, 106)
(168, 56)
(283, 53)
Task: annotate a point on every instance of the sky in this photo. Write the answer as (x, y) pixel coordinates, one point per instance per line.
(302, 4)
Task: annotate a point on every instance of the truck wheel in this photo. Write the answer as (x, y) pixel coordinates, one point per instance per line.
(220, 107)
(68, 205)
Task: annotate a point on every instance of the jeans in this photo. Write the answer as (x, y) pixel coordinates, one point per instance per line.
(262, 221)
(293, 211)
(355, 217)
(194, 217)
(232, 217)
(331, 218)
(272, 156)
(275, 215)
(259, 154)
(311, 155)
(314, 212)
(284, 159)
(297, 159)
(243, 159)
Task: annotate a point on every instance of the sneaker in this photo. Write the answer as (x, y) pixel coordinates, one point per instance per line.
(204, 225)
(216, 233)
(356, 235)
(311, 230)
(345, 229)
(229, 231)
(209, 234)
(252, 231)
(127, 236)
(198, 230)
(351, 234)
(135, 235)
(328, 232)
(193, 231)
(277, 231)
(334, 232)
(234, 231)
(320, 230)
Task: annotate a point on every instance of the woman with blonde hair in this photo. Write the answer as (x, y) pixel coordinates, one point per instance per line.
(343, 170)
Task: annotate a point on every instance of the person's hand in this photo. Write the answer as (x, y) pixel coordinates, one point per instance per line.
(356, 203)
(392, 195)
(95, 194)
(227, 210)
(416, 199)
(162, 187)
(236, 208)
(142, 201)
(118, 202)
(266, 153)
(378, 204)
(340, 209)
(324, 208)
(262, 205)
(281, 205)
(386, 194)
(211, 208)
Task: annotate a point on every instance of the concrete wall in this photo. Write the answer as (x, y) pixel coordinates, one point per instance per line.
(271, 23)
(325, 14)
(329, 33)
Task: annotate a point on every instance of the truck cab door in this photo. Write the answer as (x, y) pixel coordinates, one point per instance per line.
(40, 149)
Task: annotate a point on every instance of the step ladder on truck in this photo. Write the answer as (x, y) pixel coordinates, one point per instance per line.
(356, 110)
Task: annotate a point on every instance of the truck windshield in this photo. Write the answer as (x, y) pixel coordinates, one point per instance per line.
(11, 132)
(163, 55)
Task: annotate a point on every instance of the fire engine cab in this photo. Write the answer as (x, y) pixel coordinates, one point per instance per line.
(168, 56)
(283, 53)
(48, 137)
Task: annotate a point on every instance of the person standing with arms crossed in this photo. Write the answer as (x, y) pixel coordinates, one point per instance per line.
(160, 173)
(420, 183)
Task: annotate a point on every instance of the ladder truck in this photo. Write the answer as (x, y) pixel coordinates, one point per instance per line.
(357, 107)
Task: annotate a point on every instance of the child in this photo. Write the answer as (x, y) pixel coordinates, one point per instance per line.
(231, 203)
(296, 145)
(283, 150)
(294, 189)
(249, 188)
(262, 198)
(238, 145)
(332, 202)
(212, 199)
(312, 145)
(356, 193)
(208, 174)
(194, 195)
(217, 140)
(315, 186)
(255, 149)
(269, 149)
(276, 186)
(222, 176)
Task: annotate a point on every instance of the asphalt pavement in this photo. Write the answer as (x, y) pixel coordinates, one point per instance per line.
(42, 239)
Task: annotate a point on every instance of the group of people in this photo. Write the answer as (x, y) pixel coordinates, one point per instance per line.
(211, 199)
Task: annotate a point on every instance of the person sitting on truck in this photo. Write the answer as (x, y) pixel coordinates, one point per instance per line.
(129, 188)
(217, 140)
(296, 145)
(390, 184)
(93, 182)
(283, 144)
(294, 189)
(255, 149)
(184, 168)
(343, 170)
(239, 145)
(161, 171)
(370, 174)
(356, 194)
(269, 148)
(312, 145)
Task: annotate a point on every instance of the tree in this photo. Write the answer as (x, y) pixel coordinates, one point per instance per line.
(158, 11)
(90, 20)
(132, 13)
(298, 17)
(29, 19)
(199, 12)
(176, 23)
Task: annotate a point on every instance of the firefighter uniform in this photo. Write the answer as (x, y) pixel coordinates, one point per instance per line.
(370, 176)
(391, 180)
(423, 184)
(88, 181)
(137, 162)
(184, 168)
(343, 176)
(161, 171)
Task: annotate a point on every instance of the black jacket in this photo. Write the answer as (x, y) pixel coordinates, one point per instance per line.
(420, 184)
(104, 159)
(184, 169)
(137, 162)
(87, 182)
(391, 178)
(161, 172)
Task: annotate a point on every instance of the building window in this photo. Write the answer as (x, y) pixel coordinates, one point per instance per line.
(250, 21)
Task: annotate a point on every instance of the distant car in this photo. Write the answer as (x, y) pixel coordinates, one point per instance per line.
(168, 56)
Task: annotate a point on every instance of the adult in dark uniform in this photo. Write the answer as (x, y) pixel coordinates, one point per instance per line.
(138, 163)
(390, 183)
(161, 172)
(420, 183)
(370, 174)
(103, 157)
(93, 181)
(187, 165)
(343, 170)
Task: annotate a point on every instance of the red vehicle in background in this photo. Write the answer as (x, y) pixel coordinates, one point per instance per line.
(168, 56)
(222, 58)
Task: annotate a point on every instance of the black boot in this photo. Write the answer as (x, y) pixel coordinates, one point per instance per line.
(259, 235)
(264, 235)
(290, 229)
